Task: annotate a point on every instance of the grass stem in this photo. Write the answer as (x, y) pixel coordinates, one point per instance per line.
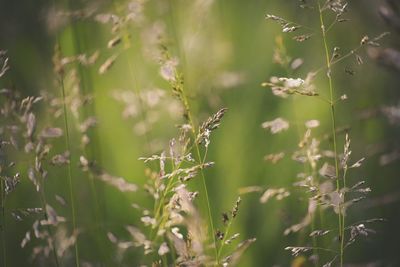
(204, 183)
(3, 224)
(44, 204)
(70, 184)
(333, 121)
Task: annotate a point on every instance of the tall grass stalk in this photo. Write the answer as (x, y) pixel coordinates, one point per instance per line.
(44, 204)
(193, 127)
(190, 119)
(333, 121)
(87, 89)
(68, 147)
(201, 161)
(3, 224)
(136, 89)
(70, 184)
(132, 70)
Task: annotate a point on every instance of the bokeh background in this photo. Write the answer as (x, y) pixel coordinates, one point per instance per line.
(225, 50)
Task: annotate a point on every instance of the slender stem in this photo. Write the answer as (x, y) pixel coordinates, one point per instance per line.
(196, 146)
(319, 209)
(135, 82)
(170, 182)
(224, 239)
(332, 24)
(312, 166)
(92, 145)
(190, 120)
(44, 204)
(204, 185)
(87, 87)
(312, 169)
(71, 194)
(67, 144)
(343, 218)
(3, 223)
(333, 121)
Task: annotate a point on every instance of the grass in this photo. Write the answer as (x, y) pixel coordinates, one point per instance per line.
(173, 93)
(3, 225)
(333, 120)
(69, 176)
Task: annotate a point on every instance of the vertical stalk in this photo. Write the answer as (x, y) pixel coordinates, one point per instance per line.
(204, 184)
(3, 223)
(67, 144)
(91, 144)
(321, 218)
(70, 185)
(333, 121)
(343, 217)
(44, 204)
(89, 150)
(86, 88)
(203, 179)
(311, 169)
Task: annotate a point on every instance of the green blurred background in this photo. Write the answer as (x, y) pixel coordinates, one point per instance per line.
(225, 49)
